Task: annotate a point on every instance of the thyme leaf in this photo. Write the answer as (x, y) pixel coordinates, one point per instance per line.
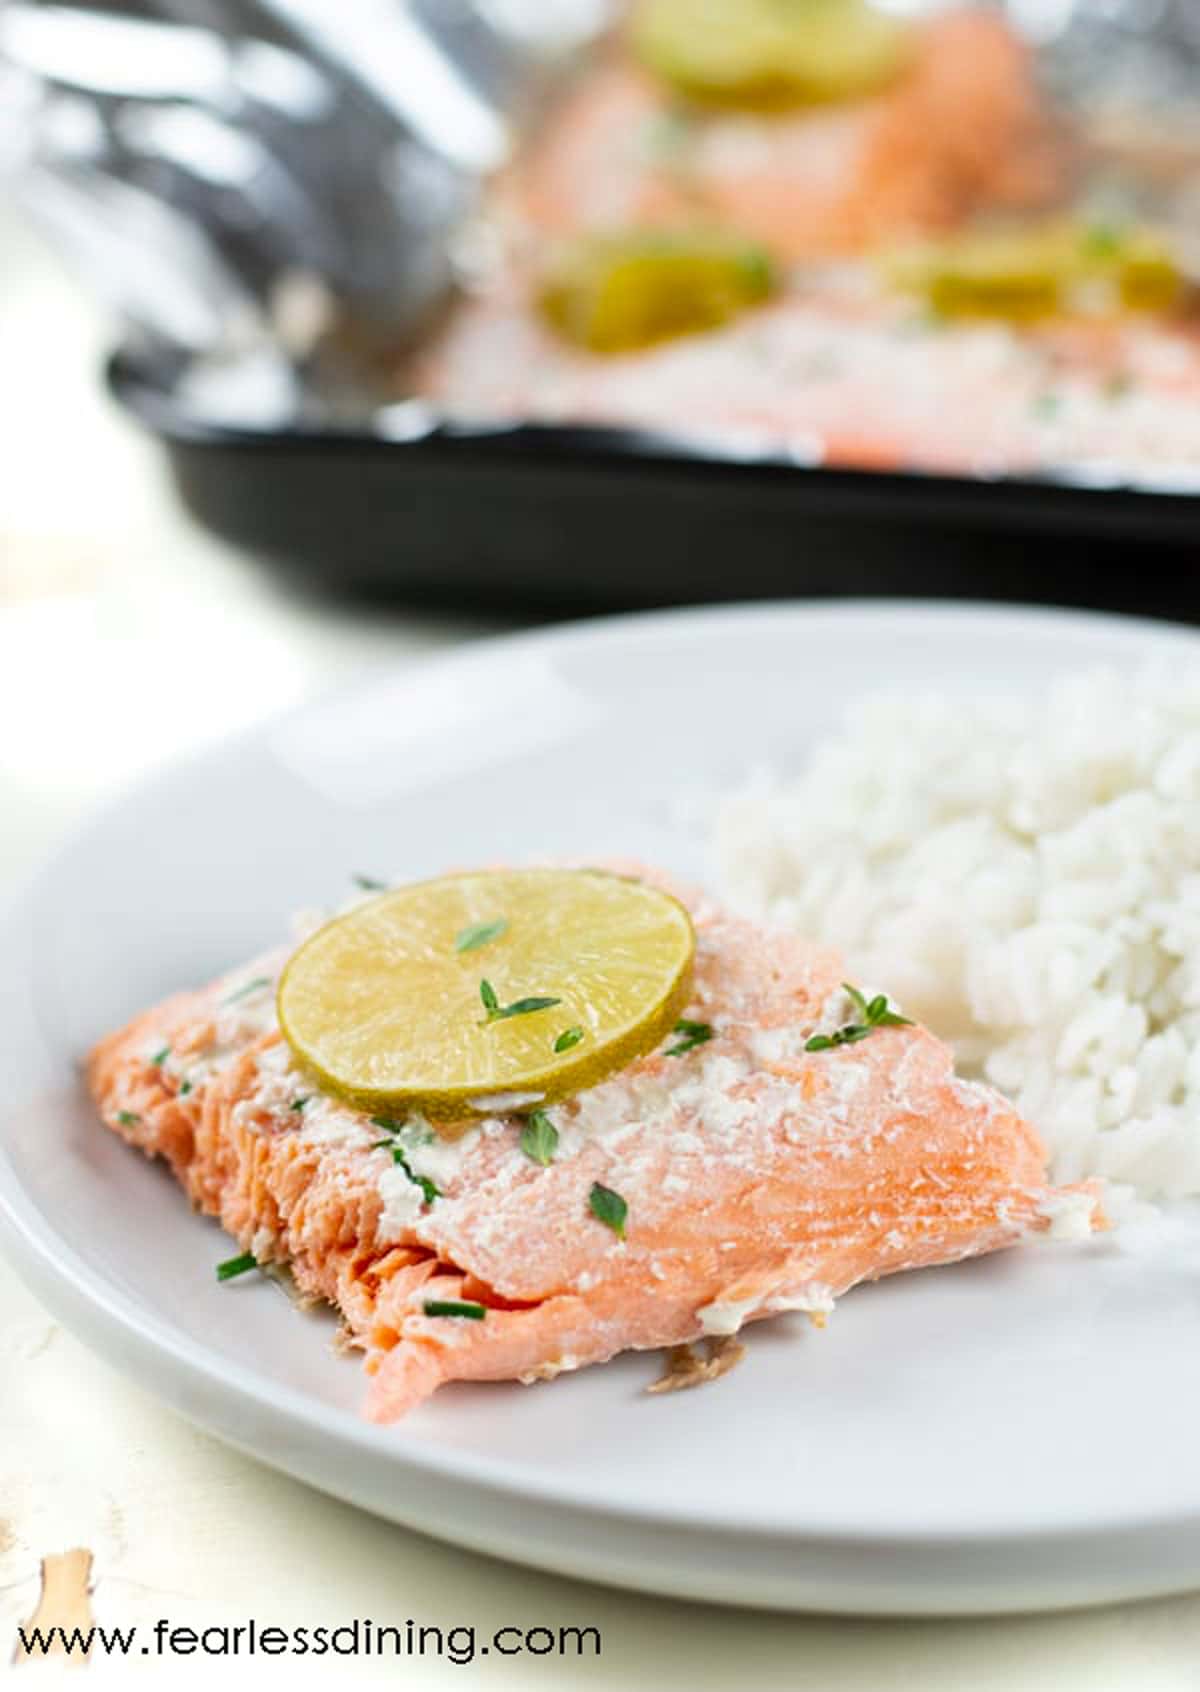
(694, 1034)
(539, 1138)
(875, 1013)
(480, 934)
(608, 1207)
(496, 1012)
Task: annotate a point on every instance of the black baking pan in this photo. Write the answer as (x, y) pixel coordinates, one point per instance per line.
(564, 518)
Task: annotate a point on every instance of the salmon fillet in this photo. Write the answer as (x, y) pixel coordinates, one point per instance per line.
(964, 130)
(758, 1177)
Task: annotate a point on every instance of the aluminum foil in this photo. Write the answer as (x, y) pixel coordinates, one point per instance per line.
(233, 176)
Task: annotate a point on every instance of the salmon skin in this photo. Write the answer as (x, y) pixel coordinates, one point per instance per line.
(758, 1176)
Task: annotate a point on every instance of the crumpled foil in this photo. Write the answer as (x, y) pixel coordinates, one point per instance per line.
(231, 176)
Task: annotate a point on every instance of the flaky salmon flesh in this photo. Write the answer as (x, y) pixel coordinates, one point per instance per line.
(757, 1176)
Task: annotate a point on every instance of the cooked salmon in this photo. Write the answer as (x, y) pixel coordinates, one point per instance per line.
(840, 366)
(964, 129)
(757, 1175)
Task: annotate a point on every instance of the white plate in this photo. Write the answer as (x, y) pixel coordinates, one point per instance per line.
(1013, 1433)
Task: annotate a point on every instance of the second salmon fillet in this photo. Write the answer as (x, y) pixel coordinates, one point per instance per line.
(756, 1176)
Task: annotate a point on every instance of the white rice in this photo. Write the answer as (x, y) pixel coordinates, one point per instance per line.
(1024, 877)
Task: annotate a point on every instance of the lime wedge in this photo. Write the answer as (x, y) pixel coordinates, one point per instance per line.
(618, 293)
(493, 990)
(766, 54)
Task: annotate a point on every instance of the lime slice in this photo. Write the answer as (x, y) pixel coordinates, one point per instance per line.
(1148, 276)
(486, 991)
(764, 54)
(1039, 270)
(618, 293)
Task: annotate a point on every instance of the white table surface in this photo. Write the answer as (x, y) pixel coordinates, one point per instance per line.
(109, 598)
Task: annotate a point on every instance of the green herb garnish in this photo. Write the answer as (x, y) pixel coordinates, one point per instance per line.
(160, 1057)
(244, 992)
(128, 1118)
(539, 1138)
(236, 1266)
(185, 1088)
(417, 1136)
(496, 1012)
(480, 934)
(369, 884)
(694, 1034)
(391, 1126)
(1101, 240)
(299, 1104)
(568, 1038)
(608, 1207)
(429, 1188)
(874, 1014)
(464, 1307)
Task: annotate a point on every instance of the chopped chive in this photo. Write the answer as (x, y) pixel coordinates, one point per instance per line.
(464, 1307)
(160, 1057)
(539, 1138)
(694, 1034)
(428, 1187)
(568, 1038)
(128, 1118)
(299, 1104)
(236, 1266)
(480, 934)
(244, 992)
(185, 1088)
(369, 884)
(608, 1207)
